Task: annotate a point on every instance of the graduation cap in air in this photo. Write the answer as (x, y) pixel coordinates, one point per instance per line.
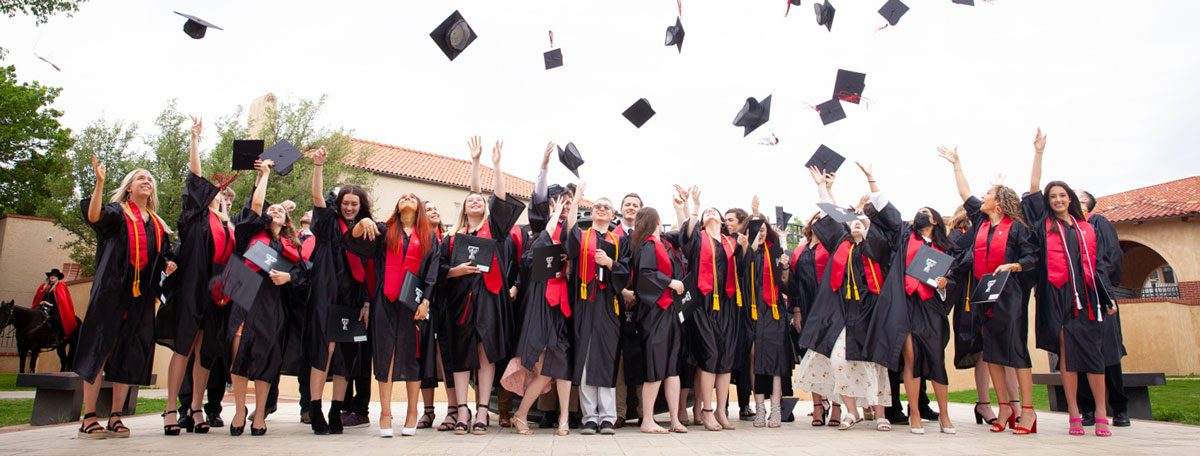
(824, 14)
(892, 10)
(196, 27)
(284, 154)
(840, 214)
(831, 111)
(826, 160)
(754, 226)
(675, 35)
(849, 86)
(782, 218)
(965, 2)
(237, 283)
(453, 35)
(245, 152)
(789, 6)
(570, 158)
(753, 114)
(553, 58)
(639, 112)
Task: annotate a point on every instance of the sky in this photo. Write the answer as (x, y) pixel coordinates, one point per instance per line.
(1112, 85)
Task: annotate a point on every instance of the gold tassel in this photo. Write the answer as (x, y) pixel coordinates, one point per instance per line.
(616, 306)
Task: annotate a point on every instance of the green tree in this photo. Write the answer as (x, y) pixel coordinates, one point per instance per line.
(32, 143)
(167, 160)
(41, 10)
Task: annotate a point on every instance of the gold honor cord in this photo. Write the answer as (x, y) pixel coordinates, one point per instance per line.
(583, 272)
(715, 292)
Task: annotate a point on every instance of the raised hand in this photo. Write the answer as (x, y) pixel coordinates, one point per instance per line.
(818, 176)
(951, 155)
(288, 206)
(549, 152)
(98, 169)
(679, 199)
(579, 190)
(319, 156)
(1039, 141)
(496, 153)
(556, 206)
(866, 170)
(475, 144)
(743, 240)
(829, 178)
(754, 205)
(197, 127)
(695, 191)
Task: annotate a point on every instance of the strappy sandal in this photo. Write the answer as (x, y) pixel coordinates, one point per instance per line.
(517, 429)
(171, 429)
(979, 416)
(819, 422)
(201, 425)
(92, 431)
(426, 420)
(450, 421)
(847, 424)
(1099, 432)
(776, 418)
(835, 422)
(1022, 430)
(117, 430)
(460, 427)
(706, 426)
(481, 428)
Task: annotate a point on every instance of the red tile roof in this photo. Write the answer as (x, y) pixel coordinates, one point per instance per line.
(429, 167)
(1178, 198)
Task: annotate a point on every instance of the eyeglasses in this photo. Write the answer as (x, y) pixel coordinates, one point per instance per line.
(602, 207)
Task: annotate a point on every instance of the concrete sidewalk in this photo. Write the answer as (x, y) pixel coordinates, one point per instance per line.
(287, 435)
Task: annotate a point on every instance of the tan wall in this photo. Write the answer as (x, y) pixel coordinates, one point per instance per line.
(1177, 241)
(1161, 337)
(387, 191)
(26, 255)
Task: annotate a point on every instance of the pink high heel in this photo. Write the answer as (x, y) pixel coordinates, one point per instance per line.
(1102, 432)
(1076, 430)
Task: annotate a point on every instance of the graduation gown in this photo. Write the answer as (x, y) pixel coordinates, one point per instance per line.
(968, 346)
(333, 284)
(807, 262)
(771, 323)
(396, 339)
(597, 308)
(478, 315)
(205, 244)
(263, 323)
(661, 331)
(629, 347)
(1109, 265)
(544, 328)
(1077, 307)
(1004, 324)
(716, 328)
(119, 326)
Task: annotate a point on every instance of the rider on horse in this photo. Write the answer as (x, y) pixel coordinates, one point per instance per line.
(54, 300)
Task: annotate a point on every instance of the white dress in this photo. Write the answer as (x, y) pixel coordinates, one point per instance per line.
(836, 378)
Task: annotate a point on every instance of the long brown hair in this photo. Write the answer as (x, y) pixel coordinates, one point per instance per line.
(807, 231)
(960, 220)
(1074, 209)
(421, 227)
(1008, 203)
(364, 201)
(643, 226)
(287, 230)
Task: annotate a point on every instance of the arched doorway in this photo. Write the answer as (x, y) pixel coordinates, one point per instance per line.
(1146, 272)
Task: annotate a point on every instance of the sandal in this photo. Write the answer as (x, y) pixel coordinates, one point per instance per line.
(564, 428)
(516, 426)
(171, 429)
(460, 427)
(450, 421)
(979, 416)
(117, 430)
(481, 428)
(92, 431)
(847, 424)
(706, 426)
(426, 420)
(760, 416)
(1022, 430)
(1075, 430)
(201, 426)
(882, 424)
(776, 418)
(835, 422)
(1099, 432)
(818, 422)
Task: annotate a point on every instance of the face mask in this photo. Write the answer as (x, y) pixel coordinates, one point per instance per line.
(922, 221)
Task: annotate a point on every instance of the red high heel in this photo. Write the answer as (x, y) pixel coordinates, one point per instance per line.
(1001, 425)
(1026, 431)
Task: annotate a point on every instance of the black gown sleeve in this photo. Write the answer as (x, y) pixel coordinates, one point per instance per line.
(1109, 254)
(248, 226)
(651, 282)
(829, 232)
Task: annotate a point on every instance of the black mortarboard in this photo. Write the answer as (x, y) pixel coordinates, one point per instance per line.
(892, 10)
(195, 27)
(824, 14)
(789, 7)
(284, 154)
(343, 325)
(245, 151)
(831, 111)
(453, 35)
(553, 58)
(826, 160)
(476, 251)
(554, 190)
(782, 218)
(675, 34)
(990, 286)
(410, 291)
(238, 282)
(753, 114)
(840, 214)
(639, 112)
(928, 264)
(965, 2)
(547, 262)
(570, 158)
(753, 227)
(849, 86)
(267, 258)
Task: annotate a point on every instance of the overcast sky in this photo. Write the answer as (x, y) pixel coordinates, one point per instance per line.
(1113, 83)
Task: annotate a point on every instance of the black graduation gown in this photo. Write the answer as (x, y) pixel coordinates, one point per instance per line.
(332, 284)
(1004, 324)
(396, 340)
(476, 314)
(662, 334)
(544, 327)
(968, 346)
(746, 264)
(189, 308)
(802, 288)
(716, 333)
(831, 311)
(118, 326)
(1056, 306)
(630, 343)
(773, 353)
(263, 323)
(430, 340)
(597, 316)
(1109, 266)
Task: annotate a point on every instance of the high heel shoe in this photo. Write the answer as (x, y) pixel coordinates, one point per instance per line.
(1001, 425)
(387, 432)
(517, 429)
(979, 416)
(1099, 432)
(408, 432)
(947, 430)
(1022, 430)
(1073, 430)
(199, 427)
(171, 429)
(481, 428)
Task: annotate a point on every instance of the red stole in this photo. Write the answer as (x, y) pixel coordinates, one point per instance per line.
(820, 257)
(307, 246)
(289, 251)
(988, 257)
(556, 288)
(356, 265)
(664, 266)
(397, 267)
(707, 281)
(910, 284)
(221, 237)
(619, 230)
(770, 294)
(491, 279)
(841, 262)
(1059, 263)
(62, 301)
(139, 254)
(517, 236)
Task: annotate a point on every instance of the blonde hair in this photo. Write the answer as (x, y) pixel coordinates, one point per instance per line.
(462, 214)
(121, 195)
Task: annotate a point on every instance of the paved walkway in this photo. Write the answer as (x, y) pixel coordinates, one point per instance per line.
(288, 436)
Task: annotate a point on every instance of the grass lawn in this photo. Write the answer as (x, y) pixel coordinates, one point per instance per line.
(1178, 401)
(8, 382)
(17, 411)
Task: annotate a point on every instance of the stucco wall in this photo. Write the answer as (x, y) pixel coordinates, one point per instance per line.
(1177, 241)
(387, 191)
(29, 248)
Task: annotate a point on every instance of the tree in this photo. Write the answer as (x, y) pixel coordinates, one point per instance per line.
(41, 10)
(32, 143)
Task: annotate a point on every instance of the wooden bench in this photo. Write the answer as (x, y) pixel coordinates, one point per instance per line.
(59, 397)
(1136, 389)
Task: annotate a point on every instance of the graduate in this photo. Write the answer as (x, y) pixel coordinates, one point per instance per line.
(339, 278)
(255, 331)
(770, 330)
(835, 331)
(478, 302)
(1072, 301)
(194, 326)
(736, 221)
(910, 323)
(132, 251)
(629, 351)
(430, 341)
(406, 261)
(518, 276)
(1001, 241)
(808, 265)
(659, 285)
(1109, 261)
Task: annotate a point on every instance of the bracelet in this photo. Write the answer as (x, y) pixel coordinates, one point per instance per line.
(871, 181)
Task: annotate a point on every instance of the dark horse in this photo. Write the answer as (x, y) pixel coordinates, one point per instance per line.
(35, 334)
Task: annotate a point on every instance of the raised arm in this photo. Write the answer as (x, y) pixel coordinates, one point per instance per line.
(694, 217)
(476, 147)
(754, 207)
(194, 153)
(497, 175)
(574, 212)
(951, 155)
(870, 177)
(97, 200)
(1035, 177)
(679, 201)
(819, 179)
(260, 185)
(317, 180)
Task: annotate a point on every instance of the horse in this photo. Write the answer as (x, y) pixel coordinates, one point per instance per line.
(35, 334)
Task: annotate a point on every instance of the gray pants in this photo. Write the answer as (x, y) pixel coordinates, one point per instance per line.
(597, 403)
